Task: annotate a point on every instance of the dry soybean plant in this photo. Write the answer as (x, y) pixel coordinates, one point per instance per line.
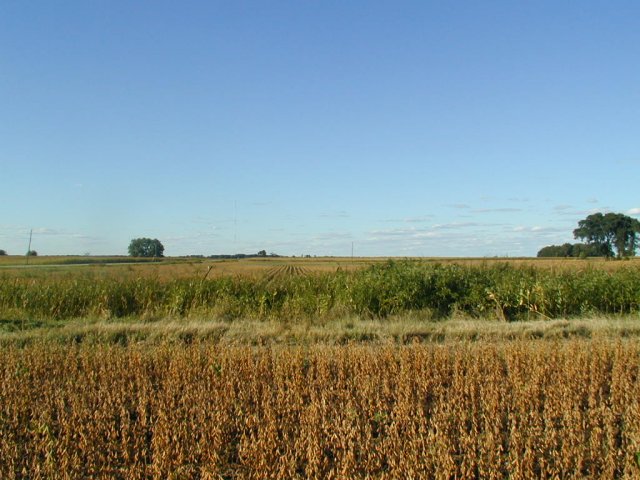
(484, 410)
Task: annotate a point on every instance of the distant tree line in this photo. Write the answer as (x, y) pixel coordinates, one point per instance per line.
(30, 253)
(604, 235)
(261, 253)
(148, 247)
(580, 250)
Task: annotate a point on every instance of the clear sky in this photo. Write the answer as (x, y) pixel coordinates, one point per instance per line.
(303, 127)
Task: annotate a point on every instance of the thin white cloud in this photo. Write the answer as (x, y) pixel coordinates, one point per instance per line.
(191, 236)
(436, 230)
(633, 211)
(416, 219)
(209, 222)
(460, 206)
(54, 232)
(420, 219)
(540, 230)
(331, 236)
(336, 214)
(457, 225)
(546, 229)
(497, 210)
(401, 233)
(563, 208)
(581, 212)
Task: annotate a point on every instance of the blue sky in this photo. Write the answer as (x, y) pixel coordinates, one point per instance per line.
(403, 128)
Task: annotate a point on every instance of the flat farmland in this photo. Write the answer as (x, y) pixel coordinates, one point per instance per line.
(259, 301)
(319, 368)
(170, 268)
(186, 267)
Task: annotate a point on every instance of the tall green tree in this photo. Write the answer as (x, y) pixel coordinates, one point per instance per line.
(146, 247)
(609, 232)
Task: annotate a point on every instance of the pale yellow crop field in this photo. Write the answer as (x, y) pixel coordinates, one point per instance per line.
(185, 267)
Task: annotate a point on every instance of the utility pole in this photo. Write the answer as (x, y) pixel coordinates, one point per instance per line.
(29, 249)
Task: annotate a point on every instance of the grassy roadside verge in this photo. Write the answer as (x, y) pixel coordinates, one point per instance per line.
(400, 330)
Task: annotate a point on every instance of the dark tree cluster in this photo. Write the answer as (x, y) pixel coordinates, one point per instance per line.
(611, 231)
(580, 250)
(146, 247)
(604, 235)
(3, 253)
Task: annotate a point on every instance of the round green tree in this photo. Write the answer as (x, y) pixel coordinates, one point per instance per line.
(146, 247)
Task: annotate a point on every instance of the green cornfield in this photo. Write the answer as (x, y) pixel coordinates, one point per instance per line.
(392, 288)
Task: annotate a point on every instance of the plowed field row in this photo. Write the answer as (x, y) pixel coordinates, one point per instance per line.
(284, 271)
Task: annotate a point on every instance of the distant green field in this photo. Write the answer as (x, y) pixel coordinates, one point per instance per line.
(21, 260)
